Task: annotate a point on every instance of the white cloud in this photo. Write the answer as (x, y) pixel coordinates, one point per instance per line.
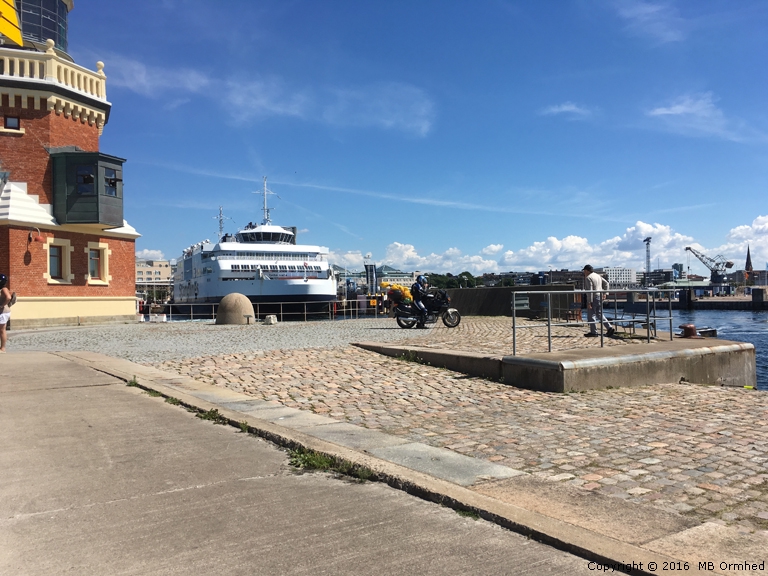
(565, 108)
(150, 254)
(655, 20)
(698, 115)
(405, 257)
(352, 259)
(572, 252)
(492, 249)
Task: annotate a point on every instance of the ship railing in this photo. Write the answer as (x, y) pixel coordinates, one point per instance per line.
(629, 310)
(284, 311)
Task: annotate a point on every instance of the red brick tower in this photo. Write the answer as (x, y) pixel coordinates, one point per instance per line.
(64, 245)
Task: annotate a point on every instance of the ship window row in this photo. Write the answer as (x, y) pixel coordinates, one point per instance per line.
(267, 256)
(271, 267)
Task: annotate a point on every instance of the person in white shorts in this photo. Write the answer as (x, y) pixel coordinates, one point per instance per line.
(5, 310)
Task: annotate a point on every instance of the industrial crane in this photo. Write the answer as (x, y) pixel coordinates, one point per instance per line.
(717, 265)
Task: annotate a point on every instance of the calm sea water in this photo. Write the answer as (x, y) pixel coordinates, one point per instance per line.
(738, 325)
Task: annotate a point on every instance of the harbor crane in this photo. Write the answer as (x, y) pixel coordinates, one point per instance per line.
(717, 265)
(647, 261)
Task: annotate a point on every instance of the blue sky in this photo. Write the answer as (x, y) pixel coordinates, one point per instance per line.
(443, 135)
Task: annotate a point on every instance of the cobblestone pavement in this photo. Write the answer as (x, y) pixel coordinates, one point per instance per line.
(697, 450)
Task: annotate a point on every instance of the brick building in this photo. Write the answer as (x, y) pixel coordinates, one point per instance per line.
(64, 245)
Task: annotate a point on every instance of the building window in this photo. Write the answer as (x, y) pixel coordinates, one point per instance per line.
(94, 264)
(98, 264)
(86, 179)
(110, 182)
(12, 123)
(59, 261)
(54, 262)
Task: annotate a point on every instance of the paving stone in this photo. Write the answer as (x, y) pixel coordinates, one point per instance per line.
(675, 431)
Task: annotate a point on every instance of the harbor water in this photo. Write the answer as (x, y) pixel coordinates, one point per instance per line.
(741, 326)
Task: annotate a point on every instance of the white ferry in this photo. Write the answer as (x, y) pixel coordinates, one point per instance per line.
(261, 261)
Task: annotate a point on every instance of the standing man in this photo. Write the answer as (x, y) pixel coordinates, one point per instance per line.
(5, 310)
(593, 281)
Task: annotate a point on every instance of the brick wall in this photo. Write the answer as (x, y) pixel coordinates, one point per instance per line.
(25, 155)
(27, 262)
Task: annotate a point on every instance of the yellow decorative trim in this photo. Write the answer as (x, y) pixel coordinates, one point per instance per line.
(66, 257)
(13, 131)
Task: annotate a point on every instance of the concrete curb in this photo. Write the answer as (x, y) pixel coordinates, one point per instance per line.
(560, 534)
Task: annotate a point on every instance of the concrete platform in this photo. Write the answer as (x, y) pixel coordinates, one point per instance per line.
(705, 361)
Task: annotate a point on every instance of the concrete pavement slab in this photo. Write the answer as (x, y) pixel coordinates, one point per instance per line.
(19, 371)
(461, 470)
(353, 437)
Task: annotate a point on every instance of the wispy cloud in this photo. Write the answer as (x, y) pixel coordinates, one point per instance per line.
(154, 81)
(424, 201)
(698, 115)
(568, 108)
(658, 21)
(388, 105)
(265, 97)
(381, 105)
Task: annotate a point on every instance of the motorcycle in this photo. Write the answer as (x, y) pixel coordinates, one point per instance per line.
(437, 305)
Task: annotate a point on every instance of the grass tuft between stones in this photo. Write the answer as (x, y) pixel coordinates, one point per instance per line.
(306, 459)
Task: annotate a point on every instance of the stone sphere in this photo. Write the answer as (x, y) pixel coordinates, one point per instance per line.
(233, 309)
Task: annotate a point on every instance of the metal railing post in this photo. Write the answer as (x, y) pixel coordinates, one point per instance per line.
(670, 314)
(514, 324)
(647, 318)
(191, 311)
(549, 321)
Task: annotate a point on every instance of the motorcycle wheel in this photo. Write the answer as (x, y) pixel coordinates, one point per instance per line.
(452, 319)
(405, 323)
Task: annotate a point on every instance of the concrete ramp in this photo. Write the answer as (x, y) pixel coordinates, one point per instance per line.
(705, 361)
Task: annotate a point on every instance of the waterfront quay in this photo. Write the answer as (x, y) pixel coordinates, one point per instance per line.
(666, 475)
(697, 451)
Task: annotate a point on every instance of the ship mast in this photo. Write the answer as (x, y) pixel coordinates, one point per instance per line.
(267, 219)
(221, 219)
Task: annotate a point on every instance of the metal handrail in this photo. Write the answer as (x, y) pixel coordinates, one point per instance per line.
(333, 310)
(650, 311)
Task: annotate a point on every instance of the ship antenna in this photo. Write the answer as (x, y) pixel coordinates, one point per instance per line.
(267, 219)
(221, 219)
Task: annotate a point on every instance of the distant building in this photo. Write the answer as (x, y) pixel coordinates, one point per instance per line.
(620, 277)
(491, 280)
(756, 277)
(153, 272)
(660, 276)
